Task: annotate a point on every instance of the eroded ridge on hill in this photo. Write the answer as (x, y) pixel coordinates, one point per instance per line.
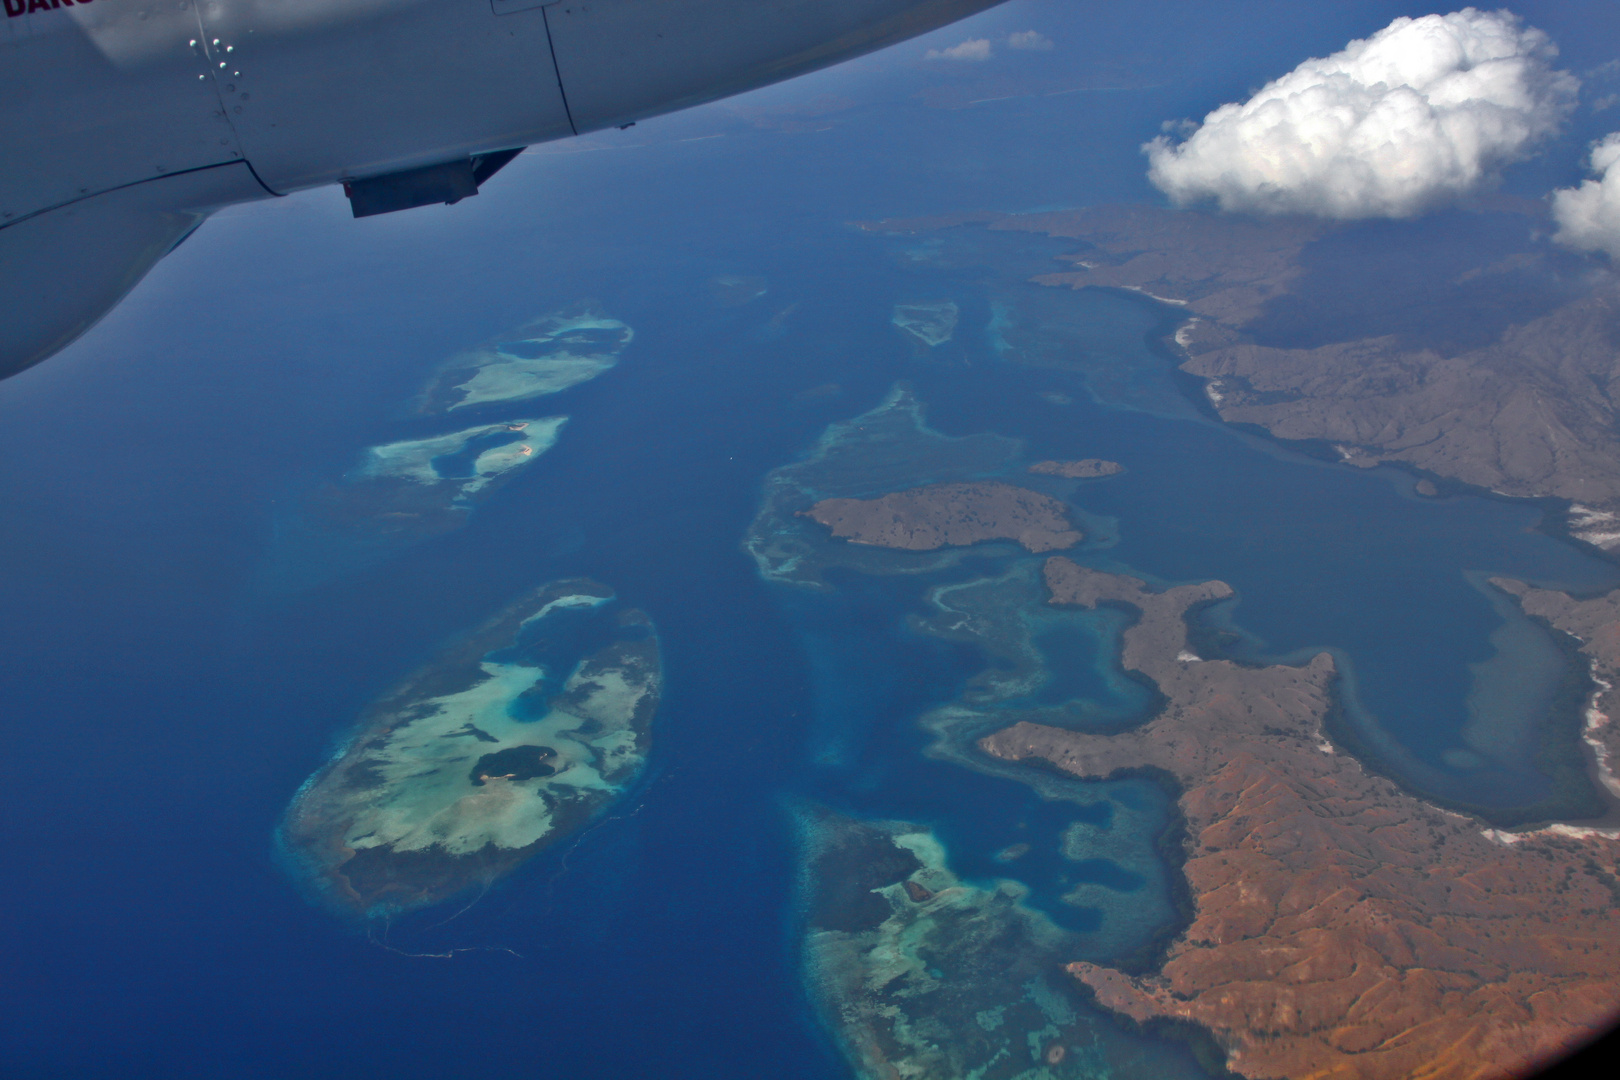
(1342, 928)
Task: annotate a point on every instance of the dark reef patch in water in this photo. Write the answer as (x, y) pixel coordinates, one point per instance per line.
(513, 763)
(845, 879)
(956, 978)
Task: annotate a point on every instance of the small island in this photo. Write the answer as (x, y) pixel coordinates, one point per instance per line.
(427, 486)
(1084, 469)
(507, 742)
(735, 290)
(547, 356)
(462, 463)
(932, 324)
(951, 515)
(1341, 926)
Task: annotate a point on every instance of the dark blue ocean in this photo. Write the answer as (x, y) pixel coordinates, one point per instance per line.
(173, 666)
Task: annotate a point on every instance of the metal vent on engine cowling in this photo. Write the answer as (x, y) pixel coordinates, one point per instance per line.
(448, 182)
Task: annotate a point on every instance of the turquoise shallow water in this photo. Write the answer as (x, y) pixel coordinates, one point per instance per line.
(874, 767)
(650, 928)
(178, 665)
(1321, 556)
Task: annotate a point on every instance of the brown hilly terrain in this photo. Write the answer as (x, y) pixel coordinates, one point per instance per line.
(1530, 414)
(941, 515)
(1502, 372)
(1342, 928)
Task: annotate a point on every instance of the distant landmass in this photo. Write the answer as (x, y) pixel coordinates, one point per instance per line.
(1475, 354)
(505, 743)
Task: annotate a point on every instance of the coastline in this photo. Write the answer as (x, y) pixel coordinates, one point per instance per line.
(1238, 742)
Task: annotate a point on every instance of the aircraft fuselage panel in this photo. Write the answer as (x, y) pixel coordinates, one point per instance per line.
(405, 102)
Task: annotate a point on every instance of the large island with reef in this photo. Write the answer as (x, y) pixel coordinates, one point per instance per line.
(511, 739)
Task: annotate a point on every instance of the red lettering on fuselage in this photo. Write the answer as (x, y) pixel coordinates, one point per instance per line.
(15, 8)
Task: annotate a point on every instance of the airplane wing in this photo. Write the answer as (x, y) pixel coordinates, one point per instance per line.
(128, 122)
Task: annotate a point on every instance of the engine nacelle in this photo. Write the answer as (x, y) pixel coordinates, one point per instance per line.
(113, 103)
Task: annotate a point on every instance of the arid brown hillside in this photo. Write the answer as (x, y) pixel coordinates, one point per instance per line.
(1342, 927)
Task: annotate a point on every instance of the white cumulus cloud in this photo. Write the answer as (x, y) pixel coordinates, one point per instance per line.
(1424, 111)
(973, 49)
(1589, 216)
(1030, 40)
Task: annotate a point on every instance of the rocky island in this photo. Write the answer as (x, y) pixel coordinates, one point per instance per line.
(1084, 469)
(941, 515)
(508, 741)
(1341, 927)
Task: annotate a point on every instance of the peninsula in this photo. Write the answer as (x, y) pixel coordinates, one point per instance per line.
(1341, 926)
(949, 515)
